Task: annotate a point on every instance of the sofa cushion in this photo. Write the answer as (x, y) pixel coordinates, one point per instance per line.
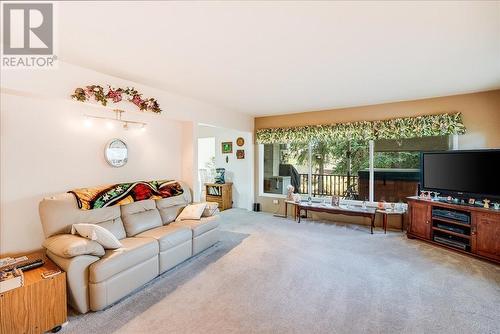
(133, 252)
(68, 245)
(59, 212)
(192, 212)
(170, 213)
(201, 226)
(168, 236)
(140, 216)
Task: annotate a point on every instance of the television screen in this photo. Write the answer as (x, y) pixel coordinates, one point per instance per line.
(471, 172)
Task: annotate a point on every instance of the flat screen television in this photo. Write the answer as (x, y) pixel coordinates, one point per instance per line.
(462, 173)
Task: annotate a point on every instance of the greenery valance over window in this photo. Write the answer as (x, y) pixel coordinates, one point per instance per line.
(397, 128)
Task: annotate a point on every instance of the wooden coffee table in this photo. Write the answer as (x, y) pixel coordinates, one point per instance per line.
(342, 210)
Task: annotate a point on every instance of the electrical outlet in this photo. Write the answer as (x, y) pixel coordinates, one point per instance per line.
(275, 201)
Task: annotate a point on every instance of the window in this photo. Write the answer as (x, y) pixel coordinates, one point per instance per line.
(284, 165)
(342, 168)
(397, 166)
(335, 166)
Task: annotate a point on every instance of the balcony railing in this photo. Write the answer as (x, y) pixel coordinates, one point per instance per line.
(329, 185)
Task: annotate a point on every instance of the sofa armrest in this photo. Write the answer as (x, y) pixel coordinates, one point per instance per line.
(77, 276)
(68, 246)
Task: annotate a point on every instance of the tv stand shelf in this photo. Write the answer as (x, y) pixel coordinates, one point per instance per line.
(466, 229)
(450, 221)
(451, 232)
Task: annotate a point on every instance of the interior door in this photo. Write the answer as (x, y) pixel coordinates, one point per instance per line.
(420, 220)
(486, 235)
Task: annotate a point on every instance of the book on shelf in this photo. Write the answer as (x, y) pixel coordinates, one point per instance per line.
(215, 191)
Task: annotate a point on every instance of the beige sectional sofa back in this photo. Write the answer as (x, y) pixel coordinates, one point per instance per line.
(140, 216)
(59, 212)
(171, 207)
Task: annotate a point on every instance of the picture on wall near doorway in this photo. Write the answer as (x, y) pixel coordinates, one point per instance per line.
(240, 154)
(240, 141)
(227, 147)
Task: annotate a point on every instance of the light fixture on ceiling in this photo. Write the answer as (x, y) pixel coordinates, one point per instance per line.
(118, 118)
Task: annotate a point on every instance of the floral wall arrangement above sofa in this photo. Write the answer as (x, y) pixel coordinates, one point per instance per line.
(115, 95)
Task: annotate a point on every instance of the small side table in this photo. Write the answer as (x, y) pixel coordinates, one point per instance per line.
(294, 205)
(221, 193)
(385, 214)
(38, 306)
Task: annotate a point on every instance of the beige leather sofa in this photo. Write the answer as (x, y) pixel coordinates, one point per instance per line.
(152, 244)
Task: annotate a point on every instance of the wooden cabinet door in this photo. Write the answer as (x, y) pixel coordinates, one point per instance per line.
(420, 220)
(14, 312)
(48, 303)
(486, 235)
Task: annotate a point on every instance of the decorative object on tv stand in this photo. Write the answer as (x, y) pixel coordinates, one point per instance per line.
(118, 118)
(240, 154)
(116, 153)
(240, 141)
(220, 175)
(486, 204)
(496, 206)
(472, 201)
(425, 194)
(227, 147)
(116, 95)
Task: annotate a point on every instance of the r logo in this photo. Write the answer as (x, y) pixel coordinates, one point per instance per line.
(27, 29)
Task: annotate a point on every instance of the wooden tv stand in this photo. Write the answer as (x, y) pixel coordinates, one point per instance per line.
(480, 237)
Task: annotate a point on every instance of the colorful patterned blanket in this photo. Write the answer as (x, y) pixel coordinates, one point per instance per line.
(124, 193)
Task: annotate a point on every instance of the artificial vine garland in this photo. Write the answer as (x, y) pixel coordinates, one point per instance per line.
(115, 95)
(396, 128)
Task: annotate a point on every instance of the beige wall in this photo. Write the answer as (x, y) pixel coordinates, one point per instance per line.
(45, 147)
(481, 115)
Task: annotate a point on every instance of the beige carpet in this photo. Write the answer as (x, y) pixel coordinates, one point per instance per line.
(271, 275)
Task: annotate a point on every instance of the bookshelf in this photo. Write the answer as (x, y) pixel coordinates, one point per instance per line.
(220, 193)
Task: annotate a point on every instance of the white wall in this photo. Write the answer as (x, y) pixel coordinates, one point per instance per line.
(60, 83)
(45, 147)
(238, 171)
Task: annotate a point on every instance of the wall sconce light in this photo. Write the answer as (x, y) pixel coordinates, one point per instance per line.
(118, 118)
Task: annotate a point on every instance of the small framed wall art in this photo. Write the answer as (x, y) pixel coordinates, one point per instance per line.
(240, 154)
(227, 147)
(240, 141)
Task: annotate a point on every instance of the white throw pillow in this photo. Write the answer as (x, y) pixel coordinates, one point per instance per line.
(192, 211)
(97, 233)
(211, 209)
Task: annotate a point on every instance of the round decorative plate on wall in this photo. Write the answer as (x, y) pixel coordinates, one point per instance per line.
(240, 141)
(116, 153)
